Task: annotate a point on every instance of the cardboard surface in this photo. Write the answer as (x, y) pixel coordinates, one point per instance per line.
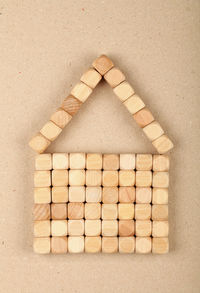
(45, 47)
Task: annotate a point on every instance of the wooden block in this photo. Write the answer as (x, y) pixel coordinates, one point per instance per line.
(114, 77)
(143, 228)
(59, 211)
(60, 177)
(39, 143)
(160, 196)
(94, 161)
(143, 194)
(142, 211)
(160, 163)
(143, 178)
(77, 160)
(143, 117)
(41, 228)
(76, 244)
(124, 90)
(144, 162)
(41, 212)
(81, 91)
(109, 227)
(76, 193)
(93, 194)
(110, 178)
(59, 245)
(61, 118)
(126, 244)
(42, 178)
(93, 177)
(102, 64)
(126, 178)
(42, 245)
(75, 210)
(60, 161)
(161, 179)
(50, 130)
(92, 227)
(159, 212)
(59, 227)
(134, 104)
(110, 162)
(143, 245)
(126, 228)
(92, 244)
(126, 211)
(109, 244)
(163, 144)
(43, 162)
(110, 195)
(91, 78)
(127, 161)
(153, 130)
(42, 195)
(71, 105)
(109, 211)
(126, 194)
(60, 194)
(92, 211)
(160, 229)
(76, 227)
(160, 245)
(77, 177)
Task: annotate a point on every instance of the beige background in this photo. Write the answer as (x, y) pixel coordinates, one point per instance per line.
(45, 46)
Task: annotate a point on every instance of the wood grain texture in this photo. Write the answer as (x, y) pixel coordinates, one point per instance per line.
(102, 64)
(114, 77)
(61, 118)
(71, 105)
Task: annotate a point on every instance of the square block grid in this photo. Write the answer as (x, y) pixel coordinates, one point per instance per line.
(101, 203)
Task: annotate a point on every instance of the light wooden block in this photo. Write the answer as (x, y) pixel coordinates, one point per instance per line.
(81, 91)
(159, 212)
(76, 193)
(92, 244)
(134, 104)
(76, 227)
(77, 177)
(102, 64)
(109, 227)
(126, 194)
(71, 105)
(59, 245)
(61, 118)
(143, 228)
(109, 244)
(126, 211)
(60, 194)
(94, 161)
(42, 178)
(41, 212)
(59, 227)
(142, 211)
(60, 177)
(93, 177)
(50, 130)
(91, 78)
(75, 210)
(42, 195)
(39, 143)
(160, 179)
(114, 77)
(76, 244)
(110, 178)
(110, 162)
(160, 163)
(126, 244)
(41, 228)
(143, 194)
(160, 196)
(110, 195)
(43, 162)
(143, 178)
(92, 227)
(143, 117)
(163, 144)
(126, 178)
(60, 161)
(58, 211)
(160, 245)
(93, 194)
(127, 161)
(126, 228)
(42, 245)
(153, 130)
(77, 160)
(124, 90)
(92, 211)
(143, 245)
(144, 162)
(109, 211)
(160, 229)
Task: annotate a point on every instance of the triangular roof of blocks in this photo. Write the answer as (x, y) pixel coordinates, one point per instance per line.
(102, 67)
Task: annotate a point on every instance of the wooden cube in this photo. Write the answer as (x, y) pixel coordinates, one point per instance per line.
(109, 228)
(110, 178)
(160, 245)
(42, 179)
(143, 194)
(114, 77)
(126, 194)
(153, 130)
(134, 104)
(126, 228)
(142, 211)
(42, 195)
(110, 162)
(144, 162)
(43, 162)
(126, 211)
(143, 178)
(143, 117)
(60, 194)
(59, 177)
(124, 90)
(109, 211)
(59, 227)
(71, 105)
(110, 195)
(61, 118)
(75, 210)
(91, 78)
(41, 228)
(93, 244)
(160, 163)
(143, 245)
(76, 244)
(50, 130)
(163, 144)
(59, 245)
(92, 211)
(42, 245)
(93, 194)
(161, 179)
(76, 227)
(160, 229)
(102, 64)
(76, 193)
(77, 177)
(126, 178)
(93, 177)
(160, 212)
(81, 91)
(94, 161)
(41, 212)
(126, 244)
(92, 227)
(127, 161)
(58, 211)
(39, 143)
(109, 244)
(60, 161)
(160, 196)
(77, 161)
(143, 228)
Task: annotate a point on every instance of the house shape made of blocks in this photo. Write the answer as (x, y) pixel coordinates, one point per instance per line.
(101, 202)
